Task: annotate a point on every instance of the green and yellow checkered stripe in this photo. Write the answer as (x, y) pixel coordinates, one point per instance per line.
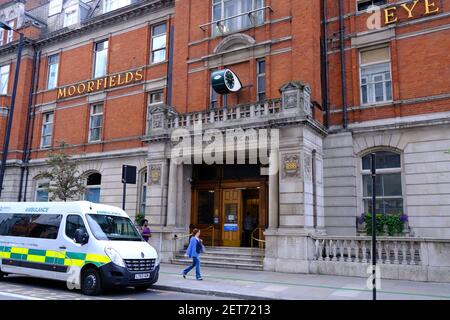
(61, 258)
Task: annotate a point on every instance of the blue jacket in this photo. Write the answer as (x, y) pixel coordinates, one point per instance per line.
(191, 251)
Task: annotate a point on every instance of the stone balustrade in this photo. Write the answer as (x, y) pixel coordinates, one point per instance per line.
(408, 258)
(248, 111)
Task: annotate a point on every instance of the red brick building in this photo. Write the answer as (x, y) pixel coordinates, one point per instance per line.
(115, 79)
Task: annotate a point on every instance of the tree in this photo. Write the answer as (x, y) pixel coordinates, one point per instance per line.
(65, 181)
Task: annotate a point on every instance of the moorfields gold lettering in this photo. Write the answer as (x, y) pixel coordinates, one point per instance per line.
(100, 84)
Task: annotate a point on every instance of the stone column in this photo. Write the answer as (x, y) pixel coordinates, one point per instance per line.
(273, 189)
(172, 194)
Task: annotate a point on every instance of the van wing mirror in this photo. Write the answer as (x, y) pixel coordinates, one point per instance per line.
(81, 237)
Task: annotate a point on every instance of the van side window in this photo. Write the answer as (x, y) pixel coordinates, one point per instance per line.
(42, 226)
(73, 223)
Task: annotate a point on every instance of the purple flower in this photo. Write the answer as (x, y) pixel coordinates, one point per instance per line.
(403, 218)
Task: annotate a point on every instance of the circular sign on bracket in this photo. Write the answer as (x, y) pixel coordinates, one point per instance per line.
(225, 81)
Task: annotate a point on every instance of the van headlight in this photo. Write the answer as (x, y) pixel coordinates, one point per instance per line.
(114, 256)
(157, 261)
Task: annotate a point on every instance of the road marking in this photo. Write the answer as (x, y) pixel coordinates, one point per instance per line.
(18, 296)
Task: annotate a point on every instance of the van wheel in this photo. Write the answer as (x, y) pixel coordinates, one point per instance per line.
(91, 283)
(142, 288)
(1, 275)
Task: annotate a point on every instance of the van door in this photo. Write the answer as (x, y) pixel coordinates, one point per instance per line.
(75, 253)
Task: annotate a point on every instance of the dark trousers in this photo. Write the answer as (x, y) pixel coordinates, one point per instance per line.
(247, 237)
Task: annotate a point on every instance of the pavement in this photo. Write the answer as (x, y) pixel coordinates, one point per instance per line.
(243, 284)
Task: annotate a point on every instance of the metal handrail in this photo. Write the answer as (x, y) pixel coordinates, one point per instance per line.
(256, 239)
(176, 237)
(235, 16)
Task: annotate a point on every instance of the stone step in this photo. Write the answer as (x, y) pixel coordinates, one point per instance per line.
(256, 253)
(226, 265)
(206, 257)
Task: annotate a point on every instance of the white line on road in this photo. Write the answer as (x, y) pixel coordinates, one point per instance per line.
(19, 296)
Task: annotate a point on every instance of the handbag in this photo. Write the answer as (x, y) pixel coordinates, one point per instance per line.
(200, 247)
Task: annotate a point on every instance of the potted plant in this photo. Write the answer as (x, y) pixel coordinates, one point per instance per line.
(386, 224)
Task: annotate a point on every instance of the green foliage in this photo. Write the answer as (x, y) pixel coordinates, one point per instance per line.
(392, 224)
(65, 182)
(139, 218)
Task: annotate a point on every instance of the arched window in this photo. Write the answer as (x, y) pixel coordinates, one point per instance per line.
(41, 194)
(142, 192)
(389, 196)
(93, 183)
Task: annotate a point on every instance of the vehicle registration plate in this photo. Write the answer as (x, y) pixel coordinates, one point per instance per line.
(142, 276)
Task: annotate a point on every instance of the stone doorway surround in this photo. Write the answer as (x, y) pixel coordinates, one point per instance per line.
(295, 189)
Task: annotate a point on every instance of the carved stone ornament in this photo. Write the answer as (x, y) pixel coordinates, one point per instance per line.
(308, 166)
(291, 166)
(155, 174)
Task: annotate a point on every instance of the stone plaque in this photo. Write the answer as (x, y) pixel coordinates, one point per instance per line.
(291, 166)
(155, 174)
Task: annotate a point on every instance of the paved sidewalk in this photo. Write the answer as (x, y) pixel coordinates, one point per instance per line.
(271, 285)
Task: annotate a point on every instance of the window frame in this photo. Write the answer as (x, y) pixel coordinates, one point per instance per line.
(56, 8)
(151, 104)
(43, 127)
(66, 224)
(260, 75)
(371, 4)
(5, 88)
(215, 31)
(143, 190)
(361, 66)
(153, 37)
(93, 114)
(10, 33)
(69, 10)
(49, 65)
(96, 55)
(367, 172)
(92, 186)
(39, 186)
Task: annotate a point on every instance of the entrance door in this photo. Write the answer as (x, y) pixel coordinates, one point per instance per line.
(232, 221)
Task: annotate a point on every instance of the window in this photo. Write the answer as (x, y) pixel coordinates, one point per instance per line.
(365, 4)
(155, 99)
(96, 123)
(223, 9)
(41, 226)
(52, 77)
(1, 36)
(100, 58)
(376, 82)
(213, 95)
(4, 78)
(71, 16)
(47, 130)
(114, 228)
(74, 222)
(54, 7)
(42, 191)
(159, 43)
(261, 80)
(143, 191)
(110, 5)
(93, 183)
(9, 33)
(389, 199)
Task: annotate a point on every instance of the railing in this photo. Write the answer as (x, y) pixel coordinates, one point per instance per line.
(259, 240)
(390, 250)
(230, 113)
(177, 238)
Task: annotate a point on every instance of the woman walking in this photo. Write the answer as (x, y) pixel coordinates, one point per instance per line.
(193, 251)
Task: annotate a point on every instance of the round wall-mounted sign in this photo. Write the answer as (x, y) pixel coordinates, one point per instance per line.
(225, 81)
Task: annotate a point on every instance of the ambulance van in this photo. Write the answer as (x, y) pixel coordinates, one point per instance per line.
(90, 246)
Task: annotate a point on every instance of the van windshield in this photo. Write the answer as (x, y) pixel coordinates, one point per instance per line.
(106, 227)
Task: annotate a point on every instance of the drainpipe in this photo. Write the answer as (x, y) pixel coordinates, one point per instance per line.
(170, 65)
(27, 126)
(33, 117)
(325, 91)
(343, 79)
